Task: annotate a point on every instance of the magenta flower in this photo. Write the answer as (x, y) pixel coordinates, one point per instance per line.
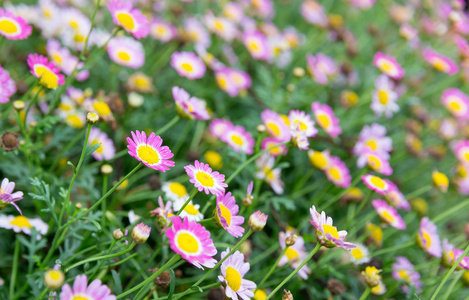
(13, 27)
(81, 290)
(388, 214)
(7, 86)
(440, 62)
(428, 238)
(48, 74)
(227, 213)
(403, 270)
(326, 119)
(7, 196)
(130, 19)
(188, 64)
(189, 107)
(205, 180)
(456, 102)
(388, 65)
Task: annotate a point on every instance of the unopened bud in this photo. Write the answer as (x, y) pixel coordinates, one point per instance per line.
(291, 240)
(78, 205)
(140, 233)
(299, 72)
(92, 118)
(19, 105)
(54, 278)
(287, 295)
(247, 201)
(118, 234)
(261, 128)
(290, 87)
(106, 169)
(257, 221)
(372, 277)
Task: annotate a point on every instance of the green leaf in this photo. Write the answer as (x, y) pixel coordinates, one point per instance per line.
(117, 281)
(73, 166)
(98, 226)
(91, 149)
(197, 288)
(172, 284)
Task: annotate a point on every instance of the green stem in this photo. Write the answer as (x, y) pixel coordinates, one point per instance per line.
(168, 125)
(452, 285)
(173, 260)
(44, 292)
(395, 248)
(102, 261)
(442, 283)
(31, 103)
(450, 211)
(65, 149)
(365, 293)
(103, 205)
(102, 257)
(193, 193)
(14, 269)
(310, 255)
(418, 192)
(272, 269)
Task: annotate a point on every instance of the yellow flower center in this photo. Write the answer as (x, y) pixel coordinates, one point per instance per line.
(269, 174)
(386, 216)
(21, 222)
(100, 149)
(148, 155)
(74, 121)
(48, 78)
(374, 162)
(357, 253)
(214, 159)
(123, 56)
(318, 160)
(178, 189)
(221, 82)
(386, 67)
(79, 38)
(190, 209)
(383, 97)
(378, 182)
(8, 26)
(427, 238)
(372, 144)
(323, 120)
(141, 82)
(187, 242)
(205, 179)
(73, 24)
(219, 25)
(233, 278)
(260, 295)
(80, 298)
(102, 108)
(332, 230)
(187, 67)
(454, 106)
(225, 213)
(301, 125)
(291, 254)
(273, 128)
(237, 140)
(253, 46)
(335, 173)
(403, 274)
(126, 21)
(54, 275)
(57, 58)
(439, 64)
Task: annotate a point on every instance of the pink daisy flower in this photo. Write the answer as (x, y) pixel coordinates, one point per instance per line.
(126, 52)
(130, 19)
(23, 224)
(192, 241)
(378, 163)
(388, 214)
(227, 213)
(326, 119)
(162, 31)
(440, 62)
(239, 139)
(428, 239)
(384, 97)
(462, 44)
(107, 150)
(219, 126)
(396, 198)
(205, 180)
(464, 263)
(62, 58)
(188, 64)
(461, 151)
(13, 27)
(388, 65)
(275, 125)
(46, 71)
(149, 151)
(7, 86)
(338, 173)
(456, 102)
(257, 45)
(403, 270)
(164, 212)
(372, 138)
(81, 290)
(314, 13)
(269, 142)
(321, 67)
(294, 254)
(189, 107)
(303, 121)
(232, 81)
(233, 270)
(326, 233)
(363, 4)
(7, 196)
(376, 184)
(265, 171)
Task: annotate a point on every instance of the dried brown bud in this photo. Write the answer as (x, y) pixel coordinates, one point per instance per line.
(335, 287)
(216, 294)
(9, 141)
(287, 295)
(163, 279)
(178, 273)
(247, 201)
(291, 240)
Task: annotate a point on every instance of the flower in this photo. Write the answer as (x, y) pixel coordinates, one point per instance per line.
(375, 234)
(275, 125)
(302, 121)
(239, 139)
(321, 67)
(7, 86)
(218, 127)
(313, 13)
(191, 211)
(396, 198)
(233, 270)
(162, 30)
(379, 290)
(404, 270)
(327, 234)
(140, 233)
(440, 62)
(205, 180)
(378, 163)
(7, 196)
(221, 26)
(106, 150)
(54, 278)
(149, 151)
(456, 102)
(384, 97)
(232, 81)
(257, 45)
(164, 212)
(13, 27)
(428, 239)
(192, 241)
(63, 59)
(375, 183)
(451, 255)
(326, 119)
(189, 107)
(295, 254)
(227, 213)
(188, 65)
(388, 65)
(388, 214)
(257, 220)
(194, 31)
(24, 224)
(360, 254)
(320, 160)
(126, 52)
(175, 191)
(337, 172)
(270, 142)
(461, 151)
(48, 74)
(81, 290)
(363, 4)
(372, 277)
(440, 180)
(130, 19)
(265, 165)
(372, 138)
(140, 82)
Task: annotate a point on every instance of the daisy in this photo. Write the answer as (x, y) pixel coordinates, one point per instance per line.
(456, 102)
(239, 139)
(428, 239)
(384, 97)
(48, 74)
(270, 142)
(299, 138)
(256, 43)
(440, 181)
(191, 211)
(379, 290)
(375, 183)
(233, 11)
(440, 62)
(363, 4)
(189, 107)
(327, 234)
(227, 214)
(188, 65)
(320, 160)
(314, 13)
(194, 31)
(463, 45)
(81, 290)
(360, 254)
(461, 151)
(225, 82)
(164, 213)
(65, 60)
(263, 8)
(218, 127)
(265, 171)
(233, 270)
(303, 121)
(378, 163)
(149, 151)
(7, 196)
(24, 224)
(240, 79)
(295, 254)
(100, 108)
(275, 125)
(130, 19)
(126, 52)
(372, 138)
(106, 150)
(140, 82)
(175, 191)
(7, 86)
(404, 270)
(192, 241)
(388, 214)
(396, 198)
(452, 254)
(326, 119)
(321, 67)
(205, 180)
(13, 27)
(388, 65)
(221, 26)
(162, 31)
(338, 173)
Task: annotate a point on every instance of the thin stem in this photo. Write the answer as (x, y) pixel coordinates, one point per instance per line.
(168, 125)
(452, 285)
(272, 269)
(442, 283)
(310, 255)
(173, 260)
(193, 193)
(102, 261)
(31, 103)
(365, 293)
(103, 205)
(450, 211)
(395, 248)
(14, 269)
(65, 149)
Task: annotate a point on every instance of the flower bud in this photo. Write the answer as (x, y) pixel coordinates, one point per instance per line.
(106, 169)
(335, 287)
(118, 234)
(291, 240)
(92, 118)
(19, 105)
(372, 277)
(440, 181)
(54, 278)
(163, 279)
(9, 141)
(299, 72)
(135, 99)
(257, 221)
(140, 233)
(420, 206)
(247, 201)
(261, 128)
(287, 295)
